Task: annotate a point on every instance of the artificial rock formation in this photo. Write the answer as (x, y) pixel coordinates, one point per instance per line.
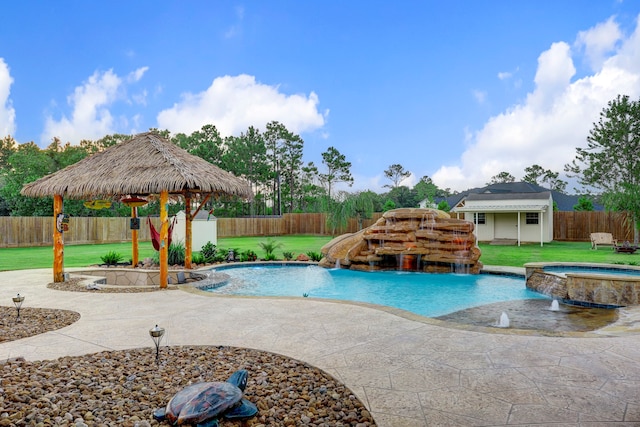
(426, 240)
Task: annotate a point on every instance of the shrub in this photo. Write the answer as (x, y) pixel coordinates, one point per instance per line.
(444, 206)
(288, 255)
(270, 257)
(269, 247)
(111, 258)
(314, 256)
(248, 255)
(388, 205)
(209, 251)
(176, 254)
(197, 258)
(220, 255)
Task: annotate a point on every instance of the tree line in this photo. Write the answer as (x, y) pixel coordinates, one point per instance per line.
(272, 162)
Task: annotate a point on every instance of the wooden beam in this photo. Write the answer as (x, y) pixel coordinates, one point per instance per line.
(164, 239)
(188, 242)
(134, 239)
(207, 197)
(58, 241)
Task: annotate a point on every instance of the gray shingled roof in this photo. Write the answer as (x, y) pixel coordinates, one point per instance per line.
(564, 202)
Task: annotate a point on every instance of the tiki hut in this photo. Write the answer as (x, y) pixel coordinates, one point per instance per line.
(145, 165)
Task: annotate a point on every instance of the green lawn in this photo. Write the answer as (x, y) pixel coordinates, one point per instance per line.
(84, 255)
(555, 251)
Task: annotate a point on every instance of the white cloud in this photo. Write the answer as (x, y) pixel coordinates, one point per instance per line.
(554, 119)
(480, 96)
(236, 29)
(136, 75)
(599, 41)
(233, 104)
(555, 69)
(7, 112)
(140, 97)
(91, 117)
(510, 76)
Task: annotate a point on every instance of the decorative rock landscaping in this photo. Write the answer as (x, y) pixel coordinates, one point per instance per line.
(123, 388)
(34, 321)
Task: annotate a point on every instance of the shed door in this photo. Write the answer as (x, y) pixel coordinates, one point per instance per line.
(506, 226)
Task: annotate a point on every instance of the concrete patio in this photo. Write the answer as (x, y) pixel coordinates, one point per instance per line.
(408, 371)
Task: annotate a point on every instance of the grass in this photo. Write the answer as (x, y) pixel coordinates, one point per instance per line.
(552, 252)
(300, 244)
(84, 255)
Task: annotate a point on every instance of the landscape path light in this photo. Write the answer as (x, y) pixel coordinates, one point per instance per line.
(17, 301)
(156, 335)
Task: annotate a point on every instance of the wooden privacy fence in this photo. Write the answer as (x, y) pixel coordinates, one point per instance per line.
(21, 231)
(303, 223)
(576, 226)
(38, 231)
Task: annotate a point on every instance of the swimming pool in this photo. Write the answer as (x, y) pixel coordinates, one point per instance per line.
(425, 294)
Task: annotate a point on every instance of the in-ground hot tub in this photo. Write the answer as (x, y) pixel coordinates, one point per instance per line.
(587, 284)
(138, 276)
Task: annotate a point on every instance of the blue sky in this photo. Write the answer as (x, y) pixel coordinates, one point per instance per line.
(456, 90)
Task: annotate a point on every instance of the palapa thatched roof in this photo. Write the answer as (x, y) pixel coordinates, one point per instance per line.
(146, 164)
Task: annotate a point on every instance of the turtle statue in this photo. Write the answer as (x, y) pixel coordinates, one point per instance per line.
(202, 404)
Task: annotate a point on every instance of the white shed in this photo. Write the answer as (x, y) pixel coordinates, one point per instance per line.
(522, 217)
(204, 228)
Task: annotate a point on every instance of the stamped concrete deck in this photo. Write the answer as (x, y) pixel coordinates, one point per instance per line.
(408, 372)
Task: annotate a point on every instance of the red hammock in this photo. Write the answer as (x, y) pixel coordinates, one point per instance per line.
(155, 236)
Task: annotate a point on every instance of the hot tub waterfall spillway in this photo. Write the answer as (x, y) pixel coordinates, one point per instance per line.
(427, 240)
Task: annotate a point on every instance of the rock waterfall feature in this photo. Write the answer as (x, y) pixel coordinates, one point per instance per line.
(408, 239)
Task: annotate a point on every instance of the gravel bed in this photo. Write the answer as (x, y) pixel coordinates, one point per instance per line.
(33, 321)
(123, 388)
(75, 285)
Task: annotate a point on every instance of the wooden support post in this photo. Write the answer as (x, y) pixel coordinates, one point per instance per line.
(134, 239)
(164, 239)
(58, 242)
(188, 241)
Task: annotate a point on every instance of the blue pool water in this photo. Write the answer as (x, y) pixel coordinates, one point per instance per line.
(426, 294)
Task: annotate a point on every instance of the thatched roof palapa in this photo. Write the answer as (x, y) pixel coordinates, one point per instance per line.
(146, 164)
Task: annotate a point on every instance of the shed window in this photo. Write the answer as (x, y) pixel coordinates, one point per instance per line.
(533, 218)
(479, 218)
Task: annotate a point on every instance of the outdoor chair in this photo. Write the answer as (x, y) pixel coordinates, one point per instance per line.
(602, 239)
